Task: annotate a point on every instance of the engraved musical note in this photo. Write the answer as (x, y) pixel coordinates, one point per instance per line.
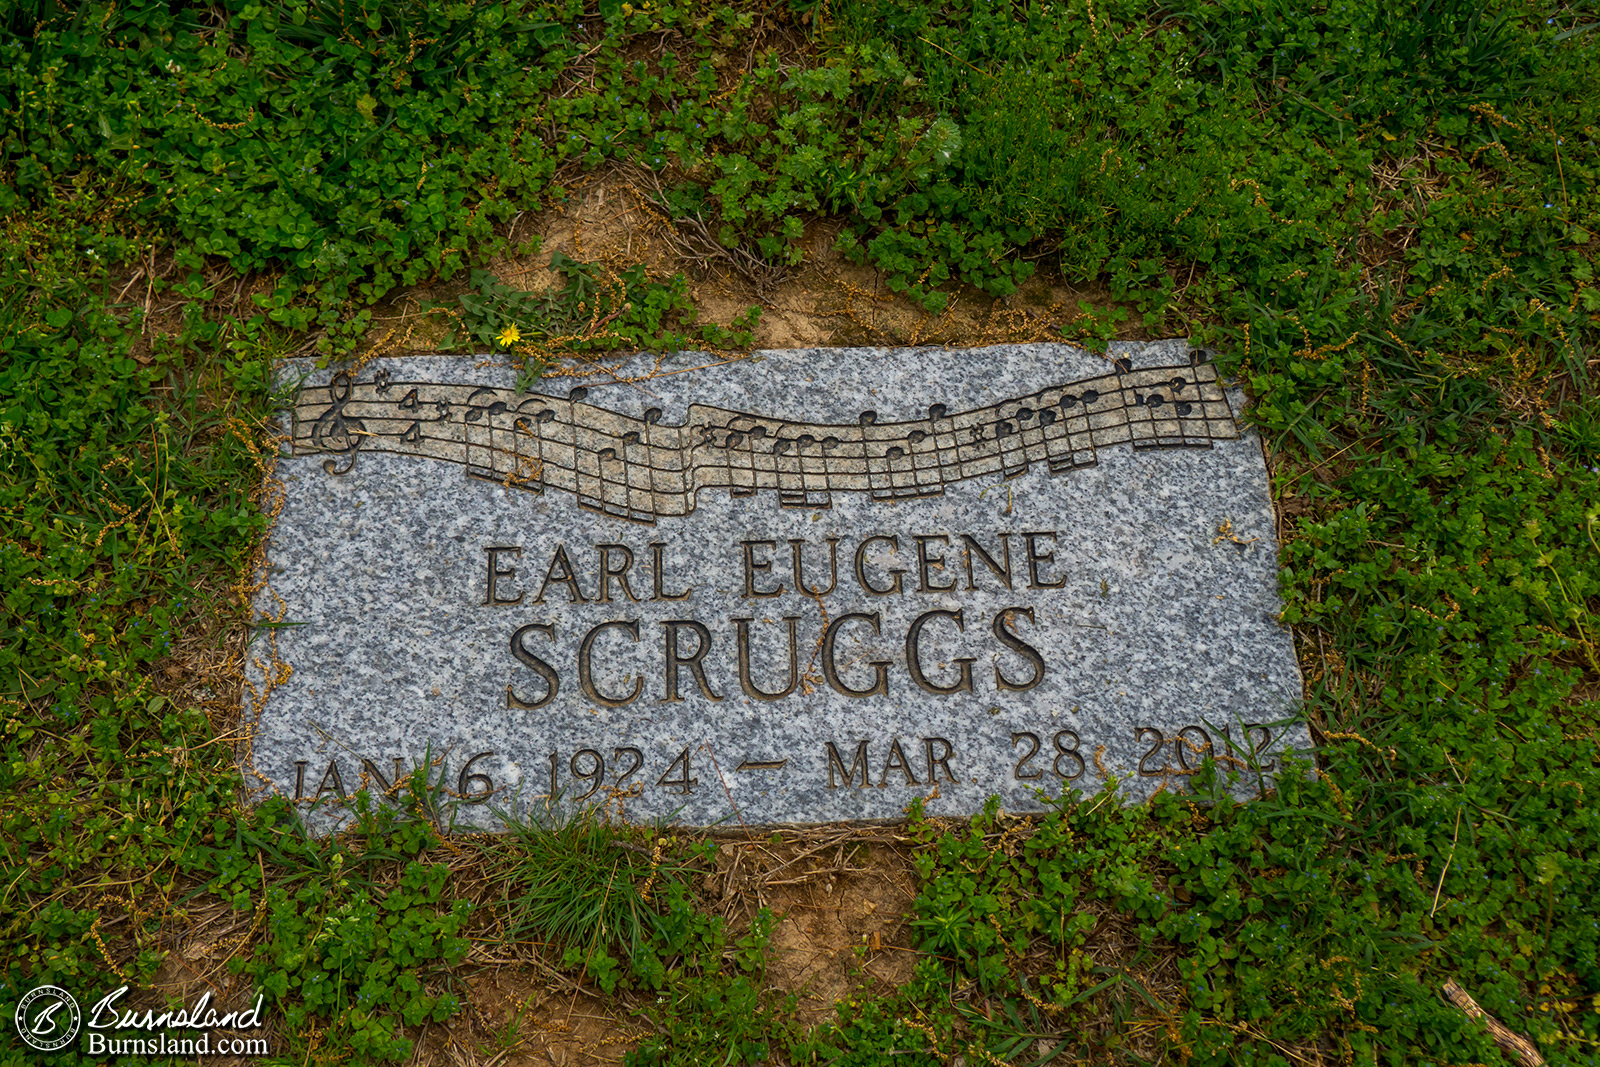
(666, 452)
(576, 424)
(478, 432)
(607, 457)
(1013, 450)
(528, 472)
(742, 487)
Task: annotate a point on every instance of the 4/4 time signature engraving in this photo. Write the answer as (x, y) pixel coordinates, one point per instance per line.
(642, 469)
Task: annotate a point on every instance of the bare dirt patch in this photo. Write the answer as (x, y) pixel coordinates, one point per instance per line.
(841, 896)
(515, 1019)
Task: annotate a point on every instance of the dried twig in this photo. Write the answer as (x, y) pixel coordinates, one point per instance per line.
(692, 240)
(1518, 1046)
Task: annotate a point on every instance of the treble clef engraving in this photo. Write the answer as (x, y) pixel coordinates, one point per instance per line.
(333, 432)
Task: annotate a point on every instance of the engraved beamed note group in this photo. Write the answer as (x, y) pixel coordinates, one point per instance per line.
(641, 469)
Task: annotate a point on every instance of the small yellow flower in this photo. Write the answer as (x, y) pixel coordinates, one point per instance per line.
(509, 336)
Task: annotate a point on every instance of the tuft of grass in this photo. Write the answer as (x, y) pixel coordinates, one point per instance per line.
(582, 882)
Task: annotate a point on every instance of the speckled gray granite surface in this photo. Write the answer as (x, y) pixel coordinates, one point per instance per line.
(1133, 628)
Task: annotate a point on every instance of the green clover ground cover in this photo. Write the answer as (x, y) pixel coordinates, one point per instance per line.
(1383, 216)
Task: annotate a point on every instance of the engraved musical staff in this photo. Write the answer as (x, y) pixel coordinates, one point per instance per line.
(642, 469)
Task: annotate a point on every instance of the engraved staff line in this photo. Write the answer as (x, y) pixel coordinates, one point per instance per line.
(641, 468)
(886, 436)
(951, 454)
(1117, 425)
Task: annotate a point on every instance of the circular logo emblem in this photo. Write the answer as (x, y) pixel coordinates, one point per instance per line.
(48, 1018)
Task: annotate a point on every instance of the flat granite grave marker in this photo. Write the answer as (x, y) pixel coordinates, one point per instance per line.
(803, 586)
